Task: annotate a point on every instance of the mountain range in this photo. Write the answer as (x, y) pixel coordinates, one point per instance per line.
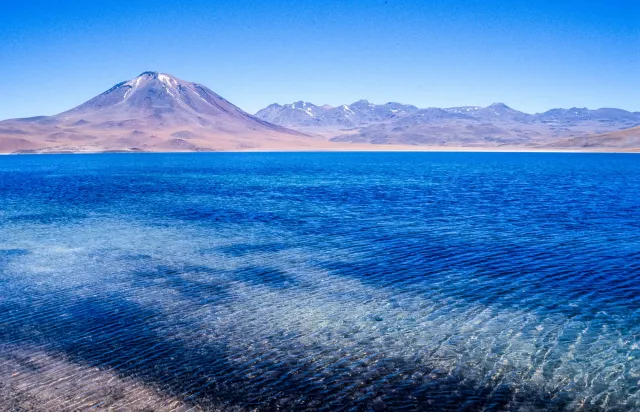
(159, 112)
(491, 126)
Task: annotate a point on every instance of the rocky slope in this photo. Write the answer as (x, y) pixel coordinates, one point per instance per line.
(627, 140)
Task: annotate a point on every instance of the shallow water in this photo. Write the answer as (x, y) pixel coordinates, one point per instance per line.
(409, 281)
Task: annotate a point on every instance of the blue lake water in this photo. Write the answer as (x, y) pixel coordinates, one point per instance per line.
(320, 281)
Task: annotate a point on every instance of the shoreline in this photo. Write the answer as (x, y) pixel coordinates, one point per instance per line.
(356, 149)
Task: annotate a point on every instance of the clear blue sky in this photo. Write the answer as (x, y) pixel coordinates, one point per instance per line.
(532, 55)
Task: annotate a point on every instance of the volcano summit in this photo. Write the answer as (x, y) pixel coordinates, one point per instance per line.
(153, 112)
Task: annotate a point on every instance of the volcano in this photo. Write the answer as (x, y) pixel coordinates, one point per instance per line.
(153, 112)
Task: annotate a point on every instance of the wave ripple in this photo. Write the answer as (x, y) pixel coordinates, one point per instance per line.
(320, 282)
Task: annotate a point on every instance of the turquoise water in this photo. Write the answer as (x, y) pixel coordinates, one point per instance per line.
(409, 281)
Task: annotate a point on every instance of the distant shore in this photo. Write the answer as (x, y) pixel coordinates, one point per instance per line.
(408, 148)
(351, 148)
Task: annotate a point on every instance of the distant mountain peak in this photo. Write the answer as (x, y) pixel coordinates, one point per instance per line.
(346, 109)
(499, 105)
(165, 78)
(149, 73)
(153, 111)
(167, 100)
(157, 75)
(362, 104)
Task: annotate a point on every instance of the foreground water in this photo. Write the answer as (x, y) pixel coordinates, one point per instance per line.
(378, 281)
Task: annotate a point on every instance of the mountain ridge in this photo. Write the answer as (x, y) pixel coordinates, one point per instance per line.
(157, 111)
(493, 125)
(553, 114)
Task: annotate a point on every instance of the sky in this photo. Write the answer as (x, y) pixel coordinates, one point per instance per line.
(531, 55)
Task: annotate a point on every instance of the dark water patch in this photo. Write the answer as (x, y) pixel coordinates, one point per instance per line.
(504, 273)
(9, 253)
(47, 218)
(237, 250)
(208, 215)
(138, 257)
(266, 276)
(200, 283)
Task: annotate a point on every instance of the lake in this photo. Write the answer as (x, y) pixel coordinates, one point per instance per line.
(320, 281)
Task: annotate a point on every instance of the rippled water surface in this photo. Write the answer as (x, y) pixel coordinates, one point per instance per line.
(416, 281)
